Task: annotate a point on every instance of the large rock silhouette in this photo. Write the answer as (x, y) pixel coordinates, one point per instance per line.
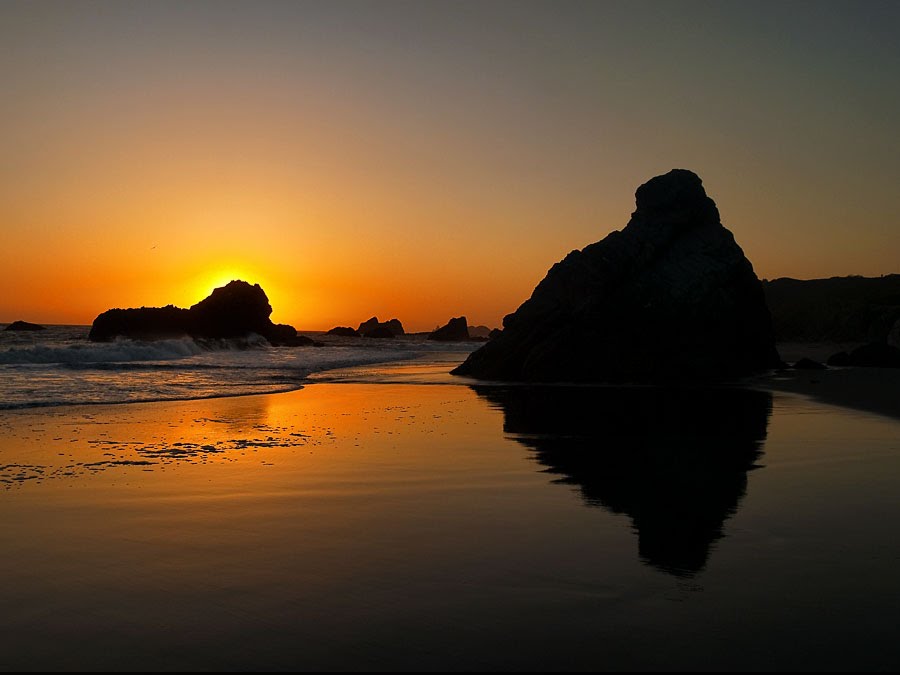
(669, 296)
(234, 310)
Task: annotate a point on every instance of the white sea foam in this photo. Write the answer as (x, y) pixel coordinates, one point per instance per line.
(93, 352)
(60, 367)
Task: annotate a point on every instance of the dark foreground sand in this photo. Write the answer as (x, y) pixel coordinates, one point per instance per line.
(872, 389)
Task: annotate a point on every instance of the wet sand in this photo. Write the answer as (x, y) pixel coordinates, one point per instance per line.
(874, 390)
(398, 521)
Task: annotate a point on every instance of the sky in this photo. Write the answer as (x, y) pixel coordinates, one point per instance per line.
(425, 159)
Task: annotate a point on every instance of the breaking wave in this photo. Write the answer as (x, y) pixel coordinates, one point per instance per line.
(122, 351)
(61, 367)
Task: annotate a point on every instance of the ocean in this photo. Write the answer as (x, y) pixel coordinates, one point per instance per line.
(60, 366)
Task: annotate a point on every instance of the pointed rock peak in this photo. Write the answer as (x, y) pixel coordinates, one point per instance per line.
(669, 297)
(456, 329)
(674, 197)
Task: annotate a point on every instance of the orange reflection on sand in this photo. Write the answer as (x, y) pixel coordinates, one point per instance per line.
(255, 442)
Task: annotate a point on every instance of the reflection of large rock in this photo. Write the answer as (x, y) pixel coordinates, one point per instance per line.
(234, 310)
(670, 296)
(675, 460)
(455, 330)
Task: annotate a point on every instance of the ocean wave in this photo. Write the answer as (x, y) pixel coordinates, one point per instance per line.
(111, 352)
(76, 372)
(125, 351)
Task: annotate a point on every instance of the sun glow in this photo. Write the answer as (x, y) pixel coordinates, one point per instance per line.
(215, 278)
(210, 281)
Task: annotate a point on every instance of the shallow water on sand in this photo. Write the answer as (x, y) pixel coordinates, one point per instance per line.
(397, 525)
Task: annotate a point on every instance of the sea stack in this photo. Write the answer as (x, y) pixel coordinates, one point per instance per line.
(455, 330)
(24, 326)
(671, 296)
(234, 310)
(373, 328)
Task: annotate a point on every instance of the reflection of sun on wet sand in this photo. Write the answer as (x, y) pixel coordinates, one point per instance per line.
(64, 444)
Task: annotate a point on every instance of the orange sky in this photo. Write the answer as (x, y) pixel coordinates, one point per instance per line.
(424, 160)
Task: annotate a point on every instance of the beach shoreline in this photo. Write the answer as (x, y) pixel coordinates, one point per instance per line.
(362, 520)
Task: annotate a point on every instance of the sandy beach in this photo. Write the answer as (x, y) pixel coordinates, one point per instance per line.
(415, 523)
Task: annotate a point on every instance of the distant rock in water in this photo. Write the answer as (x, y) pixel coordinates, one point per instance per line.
(145, 323)
(380, 331)
(234, 310)
(670, 296)
(24, 326)
(366, 326)
(343, 331)
(374, 328)
(456, 330)
(478, 332)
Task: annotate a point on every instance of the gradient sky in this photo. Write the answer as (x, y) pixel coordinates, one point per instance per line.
(425, 159)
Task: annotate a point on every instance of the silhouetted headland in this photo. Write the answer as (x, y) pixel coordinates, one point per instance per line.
(837, 310)
(373, 328)
(24, 326)
(673, 459)
(455, 330)
(234, 310)
(669, 296)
